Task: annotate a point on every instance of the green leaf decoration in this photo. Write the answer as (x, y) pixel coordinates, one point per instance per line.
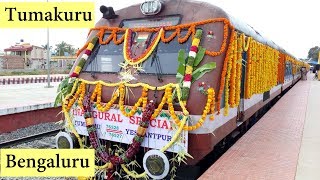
(200, 54)
(139, 111)
(58, 99)
(179, 78)
(181, 56)
(191, 61)
(198, 33)
(184, 93)
(128, 110)
(199, 72)
(181, 69)
(168, 116)
(64, 88)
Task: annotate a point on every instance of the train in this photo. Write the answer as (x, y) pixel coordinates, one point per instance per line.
(159, 84)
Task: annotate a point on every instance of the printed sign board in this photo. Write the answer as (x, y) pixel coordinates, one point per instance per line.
(114, 126)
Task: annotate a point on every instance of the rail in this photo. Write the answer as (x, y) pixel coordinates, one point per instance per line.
(25, 139)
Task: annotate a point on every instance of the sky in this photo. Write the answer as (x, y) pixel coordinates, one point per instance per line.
(293, 25)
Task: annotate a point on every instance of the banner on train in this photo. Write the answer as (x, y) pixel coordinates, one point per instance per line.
(112, 125)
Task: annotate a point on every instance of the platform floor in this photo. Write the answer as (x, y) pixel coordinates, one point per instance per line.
(17, 98)
(284, 144)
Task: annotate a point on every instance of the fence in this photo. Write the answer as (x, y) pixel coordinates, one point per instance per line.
(28, 80)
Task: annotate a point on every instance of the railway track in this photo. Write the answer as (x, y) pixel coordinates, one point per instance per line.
(26, 139)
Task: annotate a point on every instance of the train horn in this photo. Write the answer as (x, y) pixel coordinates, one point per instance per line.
(108, 12)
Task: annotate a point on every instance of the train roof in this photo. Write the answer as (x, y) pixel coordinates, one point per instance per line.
(250, 31)
(245, 28)
(239, 25)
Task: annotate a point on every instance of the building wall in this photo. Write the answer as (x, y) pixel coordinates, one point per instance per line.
(37, 53)
(1, 61)
(12, 62)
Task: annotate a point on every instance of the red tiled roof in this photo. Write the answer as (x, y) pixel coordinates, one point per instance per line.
(19, 48)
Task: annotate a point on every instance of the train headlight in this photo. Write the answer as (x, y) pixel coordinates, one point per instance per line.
(156, 164)
(65, 140)
(151, 7)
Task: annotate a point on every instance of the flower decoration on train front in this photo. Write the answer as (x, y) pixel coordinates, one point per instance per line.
(203, 87)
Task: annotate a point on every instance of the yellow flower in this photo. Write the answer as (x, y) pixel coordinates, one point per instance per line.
(196, 42)
(189, 70)
(77, 69)
(90, 46)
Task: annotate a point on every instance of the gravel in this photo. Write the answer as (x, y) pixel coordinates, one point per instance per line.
(28, 131)
(46, 142)
(43, 143)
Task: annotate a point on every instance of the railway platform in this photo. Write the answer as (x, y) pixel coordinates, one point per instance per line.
(283, 144)
(23, 105)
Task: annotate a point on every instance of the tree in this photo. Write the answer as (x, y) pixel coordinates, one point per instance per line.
(45, 48)
(71, 50)
(314, 52)
(63, 48)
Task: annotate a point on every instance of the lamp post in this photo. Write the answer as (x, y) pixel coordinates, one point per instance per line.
(48, 59)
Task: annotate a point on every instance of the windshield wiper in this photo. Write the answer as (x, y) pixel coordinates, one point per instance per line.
(94, 62)
(156, 60)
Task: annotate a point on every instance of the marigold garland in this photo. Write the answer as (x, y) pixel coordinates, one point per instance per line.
(248, 72)
(238, 72)
(167, 99)
(262, 69)
(224, 70)
(127, 52)
(177, 29)
(208, 108)
(232, 92)
(281, 68)
(227, 79)
(245, 46)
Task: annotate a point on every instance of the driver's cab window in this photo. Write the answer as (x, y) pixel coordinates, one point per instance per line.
(105, 58)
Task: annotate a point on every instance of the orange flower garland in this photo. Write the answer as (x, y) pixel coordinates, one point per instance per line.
(143, 56)
(70, 102)
(208, 108)
(190, 26)
(224, 70)
(281, 68)
(227, 79)
(82, 93)
(245, 46)
(232, 92)
(239, 72)
(136, 105)
(248, 72)
(262, 69)
(167, 99)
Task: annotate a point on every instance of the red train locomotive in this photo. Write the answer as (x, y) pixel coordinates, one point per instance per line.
(163, 82)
